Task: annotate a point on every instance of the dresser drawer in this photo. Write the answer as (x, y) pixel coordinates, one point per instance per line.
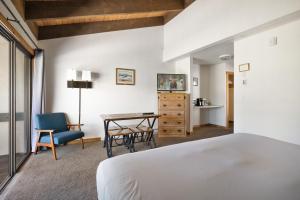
(169, 114)
(171, 131)
(164, 121)
(171, 97)
(171, 105)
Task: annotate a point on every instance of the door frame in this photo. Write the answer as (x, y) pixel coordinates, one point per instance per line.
(228, 73)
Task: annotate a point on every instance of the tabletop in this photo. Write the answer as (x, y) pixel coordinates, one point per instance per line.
(128, 116)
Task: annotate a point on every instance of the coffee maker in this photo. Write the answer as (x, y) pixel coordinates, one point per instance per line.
(199, 102)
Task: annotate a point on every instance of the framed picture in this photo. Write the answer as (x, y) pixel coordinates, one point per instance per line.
(171, 82)
(195, 81)
(244, 67)
(125, 76)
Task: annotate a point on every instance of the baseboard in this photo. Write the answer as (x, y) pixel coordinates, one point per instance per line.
(86, 140)
(202, 125)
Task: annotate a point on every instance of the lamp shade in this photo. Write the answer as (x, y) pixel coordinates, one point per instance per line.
(86, 75)
(71, 74)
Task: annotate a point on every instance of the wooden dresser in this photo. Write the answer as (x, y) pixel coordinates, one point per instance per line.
(174, 111)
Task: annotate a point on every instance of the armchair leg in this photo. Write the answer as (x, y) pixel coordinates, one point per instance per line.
(36, 143)
(54, 152)
(36, 149)
(82, 143)
(53, 147)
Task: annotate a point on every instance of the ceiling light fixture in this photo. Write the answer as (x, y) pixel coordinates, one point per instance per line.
(226, 57)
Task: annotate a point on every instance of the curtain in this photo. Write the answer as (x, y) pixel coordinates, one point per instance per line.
(37, 91)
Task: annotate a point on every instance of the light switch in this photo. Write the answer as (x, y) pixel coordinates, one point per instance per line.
(273, 41)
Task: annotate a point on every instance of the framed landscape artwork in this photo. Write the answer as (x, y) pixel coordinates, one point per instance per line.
(171, 82)
(125, 76)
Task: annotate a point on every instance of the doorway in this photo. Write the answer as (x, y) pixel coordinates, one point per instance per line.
(229, 99)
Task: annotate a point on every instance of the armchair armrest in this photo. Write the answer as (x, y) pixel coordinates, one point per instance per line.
(75, 124)
(44, 131)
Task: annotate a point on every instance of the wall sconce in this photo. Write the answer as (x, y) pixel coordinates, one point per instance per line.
(75, 82)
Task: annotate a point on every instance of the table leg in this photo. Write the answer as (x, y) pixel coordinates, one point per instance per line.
(151, 137)
(109, 146)
(106, 124)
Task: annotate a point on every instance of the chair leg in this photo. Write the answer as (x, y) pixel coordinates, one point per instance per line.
(53, 147)
(36, 149)
(53, 151)
(37, 141)
(82, 143)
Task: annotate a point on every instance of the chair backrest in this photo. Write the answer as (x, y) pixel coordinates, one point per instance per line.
(56, 121)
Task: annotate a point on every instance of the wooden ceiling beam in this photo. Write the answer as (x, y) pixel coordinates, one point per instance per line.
(170, 15)
(188, 2)
(20, 6)
(57, 31)
(41, 9)
(98, 18)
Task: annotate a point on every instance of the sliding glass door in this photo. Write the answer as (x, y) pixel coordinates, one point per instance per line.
(4, 109)
(15, 76)
(22, 112)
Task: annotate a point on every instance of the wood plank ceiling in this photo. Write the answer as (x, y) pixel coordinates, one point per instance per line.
(61, 18)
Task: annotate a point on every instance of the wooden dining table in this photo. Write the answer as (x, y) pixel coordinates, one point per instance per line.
(145, 123)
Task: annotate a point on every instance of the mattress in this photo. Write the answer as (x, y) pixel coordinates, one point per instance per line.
(232, 167)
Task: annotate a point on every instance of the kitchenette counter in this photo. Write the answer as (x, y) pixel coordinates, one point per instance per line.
(209, 106)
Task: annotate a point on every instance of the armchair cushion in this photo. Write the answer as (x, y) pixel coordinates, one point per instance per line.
(62, 137)
(56, 121)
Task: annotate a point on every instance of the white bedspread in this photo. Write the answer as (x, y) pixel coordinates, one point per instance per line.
(232, 167)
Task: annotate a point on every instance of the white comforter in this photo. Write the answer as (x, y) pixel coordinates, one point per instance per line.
(233, 167)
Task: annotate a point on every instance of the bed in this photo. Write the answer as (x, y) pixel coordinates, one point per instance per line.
(232, 167)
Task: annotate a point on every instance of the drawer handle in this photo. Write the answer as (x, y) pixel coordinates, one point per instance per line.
(165, 122)
(179, 105)
(179, 130)
(164, 114)
(164, 105)
(164, 130)
(179, 114)
(178, 122)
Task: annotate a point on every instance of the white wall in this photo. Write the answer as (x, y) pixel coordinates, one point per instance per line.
(208, 21)
(204, 92)
(195, 73)
(217, 92)
(213, 87)
(184, 66)
(140, 49)
(269, 103)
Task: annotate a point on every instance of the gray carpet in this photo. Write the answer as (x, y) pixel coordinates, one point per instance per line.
(73, 176)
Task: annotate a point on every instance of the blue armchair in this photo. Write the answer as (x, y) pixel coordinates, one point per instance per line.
(52, 129)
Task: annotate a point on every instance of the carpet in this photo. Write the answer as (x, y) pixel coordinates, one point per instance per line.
(73, 176)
